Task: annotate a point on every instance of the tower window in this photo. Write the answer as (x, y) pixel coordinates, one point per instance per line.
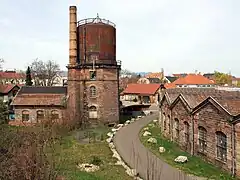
(92, 91)
(93, 75)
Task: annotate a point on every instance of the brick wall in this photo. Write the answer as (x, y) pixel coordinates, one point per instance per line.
(33, 113)
(107, 94)
(180, 112)
(213, 120)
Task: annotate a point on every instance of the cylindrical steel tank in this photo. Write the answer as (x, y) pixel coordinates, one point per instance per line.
(96, 41)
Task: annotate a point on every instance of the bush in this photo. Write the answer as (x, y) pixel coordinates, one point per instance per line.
(96, 161)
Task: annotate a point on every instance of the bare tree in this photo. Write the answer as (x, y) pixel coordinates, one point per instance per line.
(1, 63)
(44, 73)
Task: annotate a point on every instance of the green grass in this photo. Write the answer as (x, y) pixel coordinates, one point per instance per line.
(71, 152)
(195, 165)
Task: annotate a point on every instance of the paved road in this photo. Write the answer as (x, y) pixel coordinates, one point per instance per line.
(140, 158)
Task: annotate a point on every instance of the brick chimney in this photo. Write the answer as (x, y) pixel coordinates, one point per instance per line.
(72, 35)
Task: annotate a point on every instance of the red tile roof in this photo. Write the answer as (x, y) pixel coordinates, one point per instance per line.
(6, 88)
(169, 85)
(158, 75)
(193, 79)
(11, 75)
(148, 89)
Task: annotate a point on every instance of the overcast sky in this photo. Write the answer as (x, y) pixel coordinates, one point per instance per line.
(177, 35)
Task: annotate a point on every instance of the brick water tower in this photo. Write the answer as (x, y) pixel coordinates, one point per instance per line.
(93, 71)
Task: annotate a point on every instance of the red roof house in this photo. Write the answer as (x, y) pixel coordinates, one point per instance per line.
(193, 80)
(146, 93)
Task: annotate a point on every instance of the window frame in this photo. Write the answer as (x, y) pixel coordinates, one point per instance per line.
(186, 132)
(93, 91)
(38, 113)
(25, 115)
(221, 146)
(54, 115)
(202, 139)
(91, 110)
(176, 126)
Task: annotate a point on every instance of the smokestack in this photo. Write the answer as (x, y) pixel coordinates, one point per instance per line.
(73, 35)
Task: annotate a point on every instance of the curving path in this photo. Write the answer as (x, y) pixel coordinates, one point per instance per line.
(132, 151)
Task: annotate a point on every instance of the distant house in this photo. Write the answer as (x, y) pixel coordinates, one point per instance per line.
(209, 76)
(170, 79)
(193, 80)
(12, 77)
(159, 75)
(8, 91)
(37, 104)
(235, 81)
(142, 93)
(144, 80)
(180, 75)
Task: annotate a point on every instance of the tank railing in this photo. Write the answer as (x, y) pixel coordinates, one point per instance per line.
(102, 61)
(95, 20)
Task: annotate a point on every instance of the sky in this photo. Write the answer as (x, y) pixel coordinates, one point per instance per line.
(178, 36)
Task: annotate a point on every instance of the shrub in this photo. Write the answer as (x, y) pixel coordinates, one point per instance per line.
(96, 161)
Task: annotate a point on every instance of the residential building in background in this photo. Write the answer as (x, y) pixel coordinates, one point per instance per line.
(12, 77)
(141, 93)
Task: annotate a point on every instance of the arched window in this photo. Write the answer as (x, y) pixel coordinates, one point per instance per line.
(25, 115)
(186, 132)
(54, 115)
(176, 123)
(92, 91)
(221, 146)
(164, 122)
(202, 139)
(169, 126)
(92, 112)
(40, 115)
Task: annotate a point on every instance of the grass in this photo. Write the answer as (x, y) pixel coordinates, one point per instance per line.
(72, 151)
(195, 166)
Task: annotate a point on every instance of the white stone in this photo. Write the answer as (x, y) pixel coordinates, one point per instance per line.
(152, 140)
(161, 149)
(132, 172)
(146, 128)
(120, 125)
(111, 145)
(114, 129)
(127, 122)
(109, 139)
(181, 159)
(151, 125)
(146, 133)
(155, 120)
(88, 167)
(110, 134)
(133, 119)
(139, 116)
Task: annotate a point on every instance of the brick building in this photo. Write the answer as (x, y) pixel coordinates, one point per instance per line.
(204, 122)
(92, 92)
(37, 104)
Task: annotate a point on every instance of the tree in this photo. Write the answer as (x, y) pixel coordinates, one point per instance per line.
(1, 63)
(3, 112)
(222, 78)
(45, 73)
(28, 77)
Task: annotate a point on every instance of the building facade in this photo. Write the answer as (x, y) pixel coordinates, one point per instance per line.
(204, 122)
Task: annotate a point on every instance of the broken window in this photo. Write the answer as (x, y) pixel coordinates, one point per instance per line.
(40, 115)
(54, 115)
(202, 139)
(221, 146)
(177, 128)
(93, 75)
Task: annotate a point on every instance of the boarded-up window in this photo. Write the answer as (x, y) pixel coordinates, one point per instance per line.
(40, 115)
(92, 91)
(25, 115)
(54, 115)
(93, 112)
